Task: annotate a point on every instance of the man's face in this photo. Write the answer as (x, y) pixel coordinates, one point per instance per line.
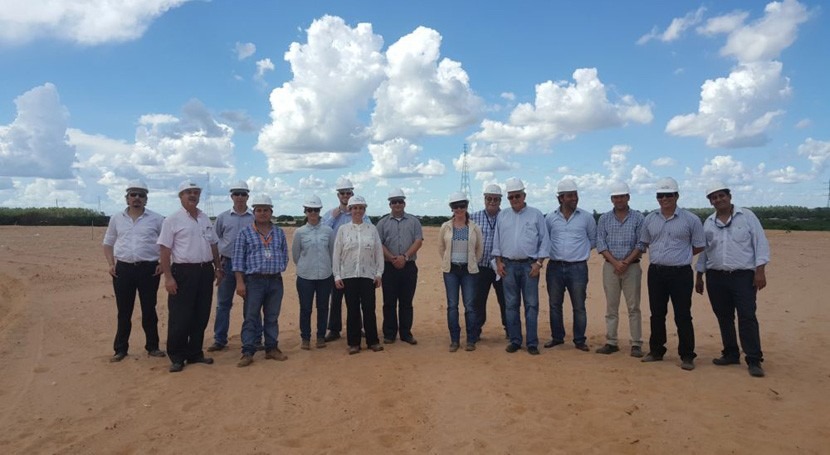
(190, 197)
(397, 205)
(569, 200)
(239, 198)
(667, 200)
(620, 202)
(343, 196)
(517, 199)
(262, 213)
(492, 202)
(136, 198)
(720, 200)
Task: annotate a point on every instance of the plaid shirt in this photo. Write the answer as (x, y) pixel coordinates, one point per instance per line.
(619, 238)
(249, 252)
(488, 230)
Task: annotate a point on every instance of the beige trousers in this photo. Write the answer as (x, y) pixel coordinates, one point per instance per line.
(629, 285)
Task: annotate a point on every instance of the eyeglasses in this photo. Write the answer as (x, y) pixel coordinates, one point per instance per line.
(312, 210)
(664, 195)
(492, 198)
(458, 206)
(138, 195)
(514, 196)
(345, 193)
(239, 193)
(396, 201)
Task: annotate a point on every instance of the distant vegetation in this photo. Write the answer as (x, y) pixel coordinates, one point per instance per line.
(779, 217)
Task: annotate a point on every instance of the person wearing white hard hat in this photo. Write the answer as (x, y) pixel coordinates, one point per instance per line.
(618, 241)
(460, 247)
(228, 224)
(311, 250)
(189, 260)
(487, 276)
(673, 236)
(335, 218)
(520, 246)
(133, 258)
(401, 236)
(260, 256)
(734, 261)
(573, 234)
(357, 265)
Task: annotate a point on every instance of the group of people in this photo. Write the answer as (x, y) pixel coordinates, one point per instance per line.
(340, 253)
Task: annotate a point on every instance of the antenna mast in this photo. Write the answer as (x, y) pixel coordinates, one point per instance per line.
(465, 178)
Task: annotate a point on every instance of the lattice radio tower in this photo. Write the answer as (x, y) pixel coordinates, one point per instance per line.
(465, 178)
(828, 194)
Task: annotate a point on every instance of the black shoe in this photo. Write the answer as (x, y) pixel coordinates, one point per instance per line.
(156, 353)
(723, 360)
(756, 371)
(119, 356)
(216, 347)
(388, 340)
(205, 360)
(259, 347)
(331, 336)
(608, 349)
(636, 351)
(553, 343)
(582, 347)
(652, 358)
(687, 364)
(533, 350)
(512, 347)
(176, 367)
(410, 340)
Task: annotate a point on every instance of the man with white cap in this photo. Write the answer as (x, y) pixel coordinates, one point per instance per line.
(734, 261)
(486, 276)
(228, 225)
(401, 236)
(190, 264)
(260, 256)
(335, 218)
(133, 258)
(573, 234)
(618, 241)
(673, 237)
(520, 246)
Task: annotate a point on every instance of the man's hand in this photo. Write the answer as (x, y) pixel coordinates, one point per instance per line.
(170, 286)
(338, 284)
(699, 284)
(240, 290)
(112, 271)
(377, 282)
(760, 280)
(534, 269)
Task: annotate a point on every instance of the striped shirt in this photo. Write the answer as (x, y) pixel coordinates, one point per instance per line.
(487, 224)
(620, 237)
(573, 239)
(740, 244)
(670, 241)
(252, 255)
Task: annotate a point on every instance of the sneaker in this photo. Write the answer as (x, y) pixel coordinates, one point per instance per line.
(305, 345)
(156, 353)
(354, 350)
(453, 346)
(470, 346)
(275, 354)
(321, 343)
(636, 351)
(652, 358)
(512, 347)
(687, 364)
(756, 371)
(607, 349)
(533, 350)
(246, 360)
(376, 347)
(216, 347)
(119, 356)
(331, 336)
(553, 343)
(582, 347)
(723, 360)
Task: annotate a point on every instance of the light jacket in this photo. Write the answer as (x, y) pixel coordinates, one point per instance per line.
(475, 246)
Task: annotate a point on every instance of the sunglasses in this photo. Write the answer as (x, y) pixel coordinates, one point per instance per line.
(312, 210)
(345, 193)
(664, 195)
(514, 196)
(239, 193)
(139, 195)
(458, 206)
(492, 198)
(396, 202)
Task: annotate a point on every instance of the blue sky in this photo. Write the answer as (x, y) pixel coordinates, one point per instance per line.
(289, 96)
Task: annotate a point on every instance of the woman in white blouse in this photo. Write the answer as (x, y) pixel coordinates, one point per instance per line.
(461, 246)
(357, 264)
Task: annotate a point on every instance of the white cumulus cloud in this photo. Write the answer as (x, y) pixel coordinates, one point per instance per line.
(675, 29)
(399, 158)
(664, 161)
(244, 50)
(262, 67)
(818, 152)
(788, 174)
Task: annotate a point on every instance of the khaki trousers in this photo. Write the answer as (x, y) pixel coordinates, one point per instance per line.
(628, 285)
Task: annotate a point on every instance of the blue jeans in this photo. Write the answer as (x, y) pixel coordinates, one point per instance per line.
(306, 290)
(518, 286)
(572, 276)
(224, 302)
(459, 277)
(262, 310)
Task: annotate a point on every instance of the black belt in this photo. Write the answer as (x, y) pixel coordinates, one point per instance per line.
(519, 261)
(669, 267)
(138, 263)
(567, 262)
(266, 276)
(730, 272)
(193, 265)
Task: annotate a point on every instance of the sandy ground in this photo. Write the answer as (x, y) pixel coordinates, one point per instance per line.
(59, 393)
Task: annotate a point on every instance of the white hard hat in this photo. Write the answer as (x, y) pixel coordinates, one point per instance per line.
(667, 185)
(619, 189)
(239, 186)
(396, 193)
(565, 186)
(189, 185)
(715, 187)
(492, 189)
(137, 185)
(458, 196)
(513, 184)
(343, 184)
(357, 200)
(313, 202)
(261, 199)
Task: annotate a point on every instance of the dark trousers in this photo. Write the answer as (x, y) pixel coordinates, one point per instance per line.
(485, 278)
(189, 311)
(398, 293)
(675, 283)
(360, 310)
(730, 292)
(131, 278)
(336, 309)
(306, 291)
